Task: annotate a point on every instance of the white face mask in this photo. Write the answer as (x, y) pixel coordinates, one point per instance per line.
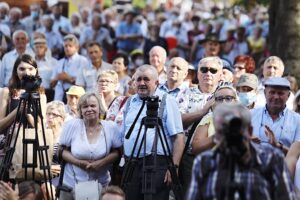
(139, 62)
(247, 98)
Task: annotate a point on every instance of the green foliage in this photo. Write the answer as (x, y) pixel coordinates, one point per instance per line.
(248, 4)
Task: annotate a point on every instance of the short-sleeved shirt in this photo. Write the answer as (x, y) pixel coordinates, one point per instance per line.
(286, 127)
(46, 67)
(128, 29)
(171, 119)
(88, 76)
(74, 135)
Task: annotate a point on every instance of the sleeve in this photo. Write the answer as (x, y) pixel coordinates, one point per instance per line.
(68, 130)
(2, 64)
(172, 116)
(80, 79)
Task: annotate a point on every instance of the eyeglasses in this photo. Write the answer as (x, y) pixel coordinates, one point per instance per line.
(224, 98)
(204, 70)
(53, 115)
(105, 81)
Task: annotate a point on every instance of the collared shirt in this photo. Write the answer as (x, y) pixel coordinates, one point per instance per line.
(197, 100)
(72, 67)
(266, 177)
(128, 29)
(286, 127)
(46, 67)
(181, 94)
(8, 62)
(170, 119)
(88, 75)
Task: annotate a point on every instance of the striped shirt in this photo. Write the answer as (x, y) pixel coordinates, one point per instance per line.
(264, 177)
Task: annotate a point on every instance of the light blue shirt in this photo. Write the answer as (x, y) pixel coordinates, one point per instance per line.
(7, 66)
(72, 66)
(54, 39)
(172, 125)
(128, 29)
(286, 127)
(87, 77)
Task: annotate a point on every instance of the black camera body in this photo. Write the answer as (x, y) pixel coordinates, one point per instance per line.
(31, 83)
(152, 106)
(234, 136)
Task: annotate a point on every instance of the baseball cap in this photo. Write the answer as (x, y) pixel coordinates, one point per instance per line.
(278, 82)
(40, 41)
(76, 90)
(227, 65)
(249, 80)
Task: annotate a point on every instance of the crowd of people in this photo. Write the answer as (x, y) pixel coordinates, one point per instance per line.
(228, 111)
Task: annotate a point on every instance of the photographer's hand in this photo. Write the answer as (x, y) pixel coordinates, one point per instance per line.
(255, 139)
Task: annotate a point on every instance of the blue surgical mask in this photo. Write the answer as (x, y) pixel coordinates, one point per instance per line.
(139, 62)
(34, 14)
(247, 98)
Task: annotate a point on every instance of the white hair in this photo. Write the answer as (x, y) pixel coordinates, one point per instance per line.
(18, 32)
(214, 59)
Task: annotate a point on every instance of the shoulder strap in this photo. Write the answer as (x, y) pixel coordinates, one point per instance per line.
(162, 106)
(123, 102)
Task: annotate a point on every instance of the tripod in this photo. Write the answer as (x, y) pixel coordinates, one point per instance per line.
(150, 169)
(28, 100)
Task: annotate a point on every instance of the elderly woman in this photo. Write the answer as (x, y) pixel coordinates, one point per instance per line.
(204, 133)
(107, 82)
(90, 145)
(25, 65)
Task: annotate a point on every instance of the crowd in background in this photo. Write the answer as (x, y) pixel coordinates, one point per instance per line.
(93, 57)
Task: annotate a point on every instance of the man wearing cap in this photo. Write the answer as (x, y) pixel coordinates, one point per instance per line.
(247, 89)
(273, 67)
(227, 71)
(45, 64)
(73, 95)
(211, 47)
(128, 34)
(275, 124)
(68, 68)
(87, 78)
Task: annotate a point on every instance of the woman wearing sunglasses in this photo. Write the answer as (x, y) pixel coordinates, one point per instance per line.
(204, 133)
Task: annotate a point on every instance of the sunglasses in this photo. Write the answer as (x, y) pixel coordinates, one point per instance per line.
(204, 70)
(224, 98)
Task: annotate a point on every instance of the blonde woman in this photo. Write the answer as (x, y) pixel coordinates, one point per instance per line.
(113, 103)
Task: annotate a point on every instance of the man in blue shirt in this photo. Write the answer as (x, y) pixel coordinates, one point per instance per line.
(274, 124)
(146, 82)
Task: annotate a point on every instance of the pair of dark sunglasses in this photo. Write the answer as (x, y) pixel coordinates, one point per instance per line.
(204, 70)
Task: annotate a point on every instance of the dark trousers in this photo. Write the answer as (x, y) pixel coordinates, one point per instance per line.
(185, 171)
(137, 181)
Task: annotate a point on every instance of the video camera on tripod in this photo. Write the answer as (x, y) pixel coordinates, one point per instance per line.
(33, 148)
(154, 113)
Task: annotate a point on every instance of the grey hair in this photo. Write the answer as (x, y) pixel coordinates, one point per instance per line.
(4, 5)
(72, 38)
(225, 110)
(17, 10)
(161, 49)
(59, 106)
(18, 32)
(110, 73)
(215, 59)
(83, 99)
(150, 68)
(275, 59)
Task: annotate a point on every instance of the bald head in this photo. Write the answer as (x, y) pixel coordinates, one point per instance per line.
(177, 70)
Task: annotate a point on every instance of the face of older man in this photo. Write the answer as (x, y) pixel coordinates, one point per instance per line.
(276, 98)
(20, 42)
(272, 69)
(209, 74)
(157, 58)
(145, 83)
(177, 70)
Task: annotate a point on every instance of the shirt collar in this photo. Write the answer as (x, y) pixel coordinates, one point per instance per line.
(281, 114)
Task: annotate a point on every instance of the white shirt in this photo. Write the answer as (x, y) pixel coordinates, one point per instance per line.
(72, 67)
(46, 67)
(74, 135)
(63, 23)
(8, 62)
(88, 76)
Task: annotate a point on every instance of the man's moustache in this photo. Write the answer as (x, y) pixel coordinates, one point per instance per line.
(143, 87)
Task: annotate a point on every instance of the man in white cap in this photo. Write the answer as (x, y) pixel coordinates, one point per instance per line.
(275, 124)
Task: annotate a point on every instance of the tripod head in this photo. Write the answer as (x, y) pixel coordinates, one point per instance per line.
(151, 118)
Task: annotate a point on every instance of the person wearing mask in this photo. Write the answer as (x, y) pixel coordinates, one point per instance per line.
(247, 90)
(33, 22)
